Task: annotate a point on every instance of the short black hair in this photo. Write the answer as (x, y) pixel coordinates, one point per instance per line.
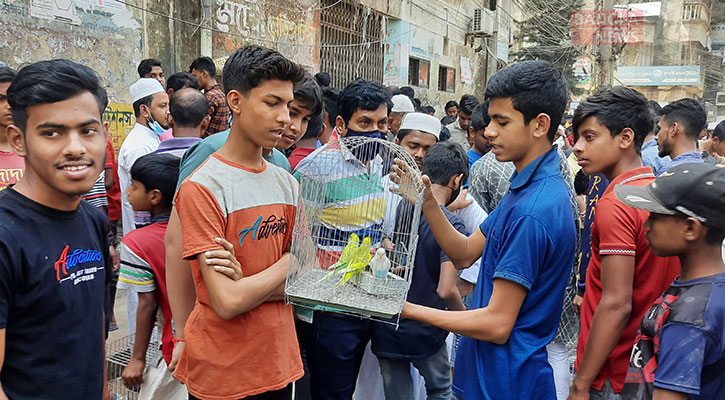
(689, 113)
(581, 183)
(362, 95)
(656, 107)
(719, 131)
(146, 101)
(52, 81)
(330, 96)
(160, 172)
(251, 65)
(479, 117)
(323, 79)
(188, 107)
(617, 108)
(314, 126)
(468, 103)
(428, 109)
(309, 91)
(408, 91)
(445, 134)
(145, 66)
(714, 235)
(445, 160)
(181, 80)
(7, 74)
(417, 103)
(535, 87)
(451, 103)
(204, 64)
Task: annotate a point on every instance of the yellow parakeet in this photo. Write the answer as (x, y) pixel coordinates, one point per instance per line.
(348, 252)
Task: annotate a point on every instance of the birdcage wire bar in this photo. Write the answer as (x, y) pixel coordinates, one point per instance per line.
(118, 354)
(332, 207)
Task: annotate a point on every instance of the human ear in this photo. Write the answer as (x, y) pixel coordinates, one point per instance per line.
(234, 99)
(626, 138)
(340, 126)
(694, 229)
(16, 140)
(542, 123)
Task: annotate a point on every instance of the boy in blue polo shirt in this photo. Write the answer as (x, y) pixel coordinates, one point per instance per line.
(528, 244)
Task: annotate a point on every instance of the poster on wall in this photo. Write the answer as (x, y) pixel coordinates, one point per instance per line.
(466, 71)
(56, 10)
(120, 120)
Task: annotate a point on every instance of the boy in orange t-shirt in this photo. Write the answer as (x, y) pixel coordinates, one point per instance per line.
(240, 337)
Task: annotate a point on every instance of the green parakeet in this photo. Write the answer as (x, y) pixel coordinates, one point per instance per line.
(359, 261)
(348, 252)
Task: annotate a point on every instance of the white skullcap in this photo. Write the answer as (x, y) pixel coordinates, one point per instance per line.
(402, 104)
(422, 122)
(145, 87)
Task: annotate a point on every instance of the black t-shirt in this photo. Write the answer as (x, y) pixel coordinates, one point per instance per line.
(413, 339)
(53, 293)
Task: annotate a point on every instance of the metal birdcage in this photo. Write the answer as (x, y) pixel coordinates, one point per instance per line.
(354, 239)
(118, 354)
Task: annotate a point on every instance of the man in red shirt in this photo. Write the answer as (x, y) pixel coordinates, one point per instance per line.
(12, 165)
(624, 277)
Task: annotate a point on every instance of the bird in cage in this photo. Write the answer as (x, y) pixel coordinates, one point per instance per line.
(346, 198)
(380, 264)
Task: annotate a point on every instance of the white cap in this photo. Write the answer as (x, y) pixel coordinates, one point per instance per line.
(402, 104)
(422, 122)
(145, 87)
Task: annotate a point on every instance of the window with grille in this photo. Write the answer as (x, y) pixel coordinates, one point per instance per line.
(352, 46)
(446, 79)
(418, 72)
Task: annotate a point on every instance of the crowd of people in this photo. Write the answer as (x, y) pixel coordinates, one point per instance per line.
(619, 207)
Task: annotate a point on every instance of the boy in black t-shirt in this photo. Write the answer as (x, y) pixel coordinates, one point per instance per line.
(433, 285)
(53, 247)
(679, 352)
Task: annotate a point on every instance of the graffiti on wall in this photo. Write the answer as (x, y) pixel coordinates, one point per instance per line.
(243, 21)
(120, 122)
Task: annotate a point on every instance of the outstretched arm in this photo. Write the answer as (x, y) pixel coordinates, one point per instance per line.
(492, 323)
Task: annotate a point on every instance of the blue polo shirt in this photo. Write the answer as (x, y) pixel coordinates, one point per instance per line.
(530, 240)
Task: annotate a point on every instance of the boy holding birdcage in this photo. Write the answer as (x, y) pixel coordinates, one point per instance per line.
(527, 243)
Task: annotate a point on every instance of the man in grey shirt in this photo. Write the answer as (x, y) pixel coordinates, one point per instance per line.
(459, 127)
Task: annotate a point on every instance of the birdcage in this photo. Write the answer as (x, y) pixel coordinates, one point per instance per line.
(118, 354)
(354, 239)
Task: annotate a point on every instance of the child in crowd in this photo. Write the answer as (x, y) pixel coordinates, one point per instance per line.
(241, 327)
(678, 352)
(624, 277)
(54, 261)
(143, 268)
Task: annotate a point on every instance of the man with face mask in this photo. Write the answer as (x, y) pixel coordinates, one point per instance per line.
(151, 108)
(363, 108)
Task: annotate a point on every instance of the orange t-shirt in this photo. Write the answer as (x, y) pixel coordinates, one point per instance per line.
(257, 351)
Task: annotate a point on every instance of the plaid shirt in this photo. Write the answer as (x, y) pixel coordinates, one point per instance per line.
(218, 110)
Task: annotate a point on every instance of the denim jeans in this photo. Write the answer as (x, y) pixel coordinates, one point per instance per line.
(339, 346)
(607, 393)
(436, 371)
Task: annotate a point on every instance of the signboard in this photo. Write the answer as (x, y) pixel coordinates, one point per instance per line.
(120, 120)
(596, 27)
(466, 71)
(582, 69)
(659, 76)
(717, 34)
(502, 51)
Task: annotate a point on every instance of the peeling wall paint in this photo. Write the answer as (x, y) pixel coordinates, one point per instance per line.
(106, 38)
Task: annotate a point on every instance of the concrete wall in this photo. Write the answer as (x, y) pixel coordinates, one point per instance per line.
(435, 32)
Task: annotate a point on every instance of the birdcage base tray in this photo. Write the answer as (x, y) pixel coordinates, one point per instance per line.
(310, 290)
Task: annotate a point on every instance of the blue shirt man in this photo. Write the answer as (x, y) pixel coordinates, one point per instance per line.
(531, 240)
(691, 157)
(651, 156)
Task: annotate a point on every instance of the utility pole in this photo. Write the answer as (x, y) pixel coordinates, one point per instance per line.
(606, 60)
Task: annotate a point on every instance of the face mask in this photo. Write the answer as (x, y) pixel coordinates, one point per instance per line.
(366, 152)
(155, 126)
(454, 196)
